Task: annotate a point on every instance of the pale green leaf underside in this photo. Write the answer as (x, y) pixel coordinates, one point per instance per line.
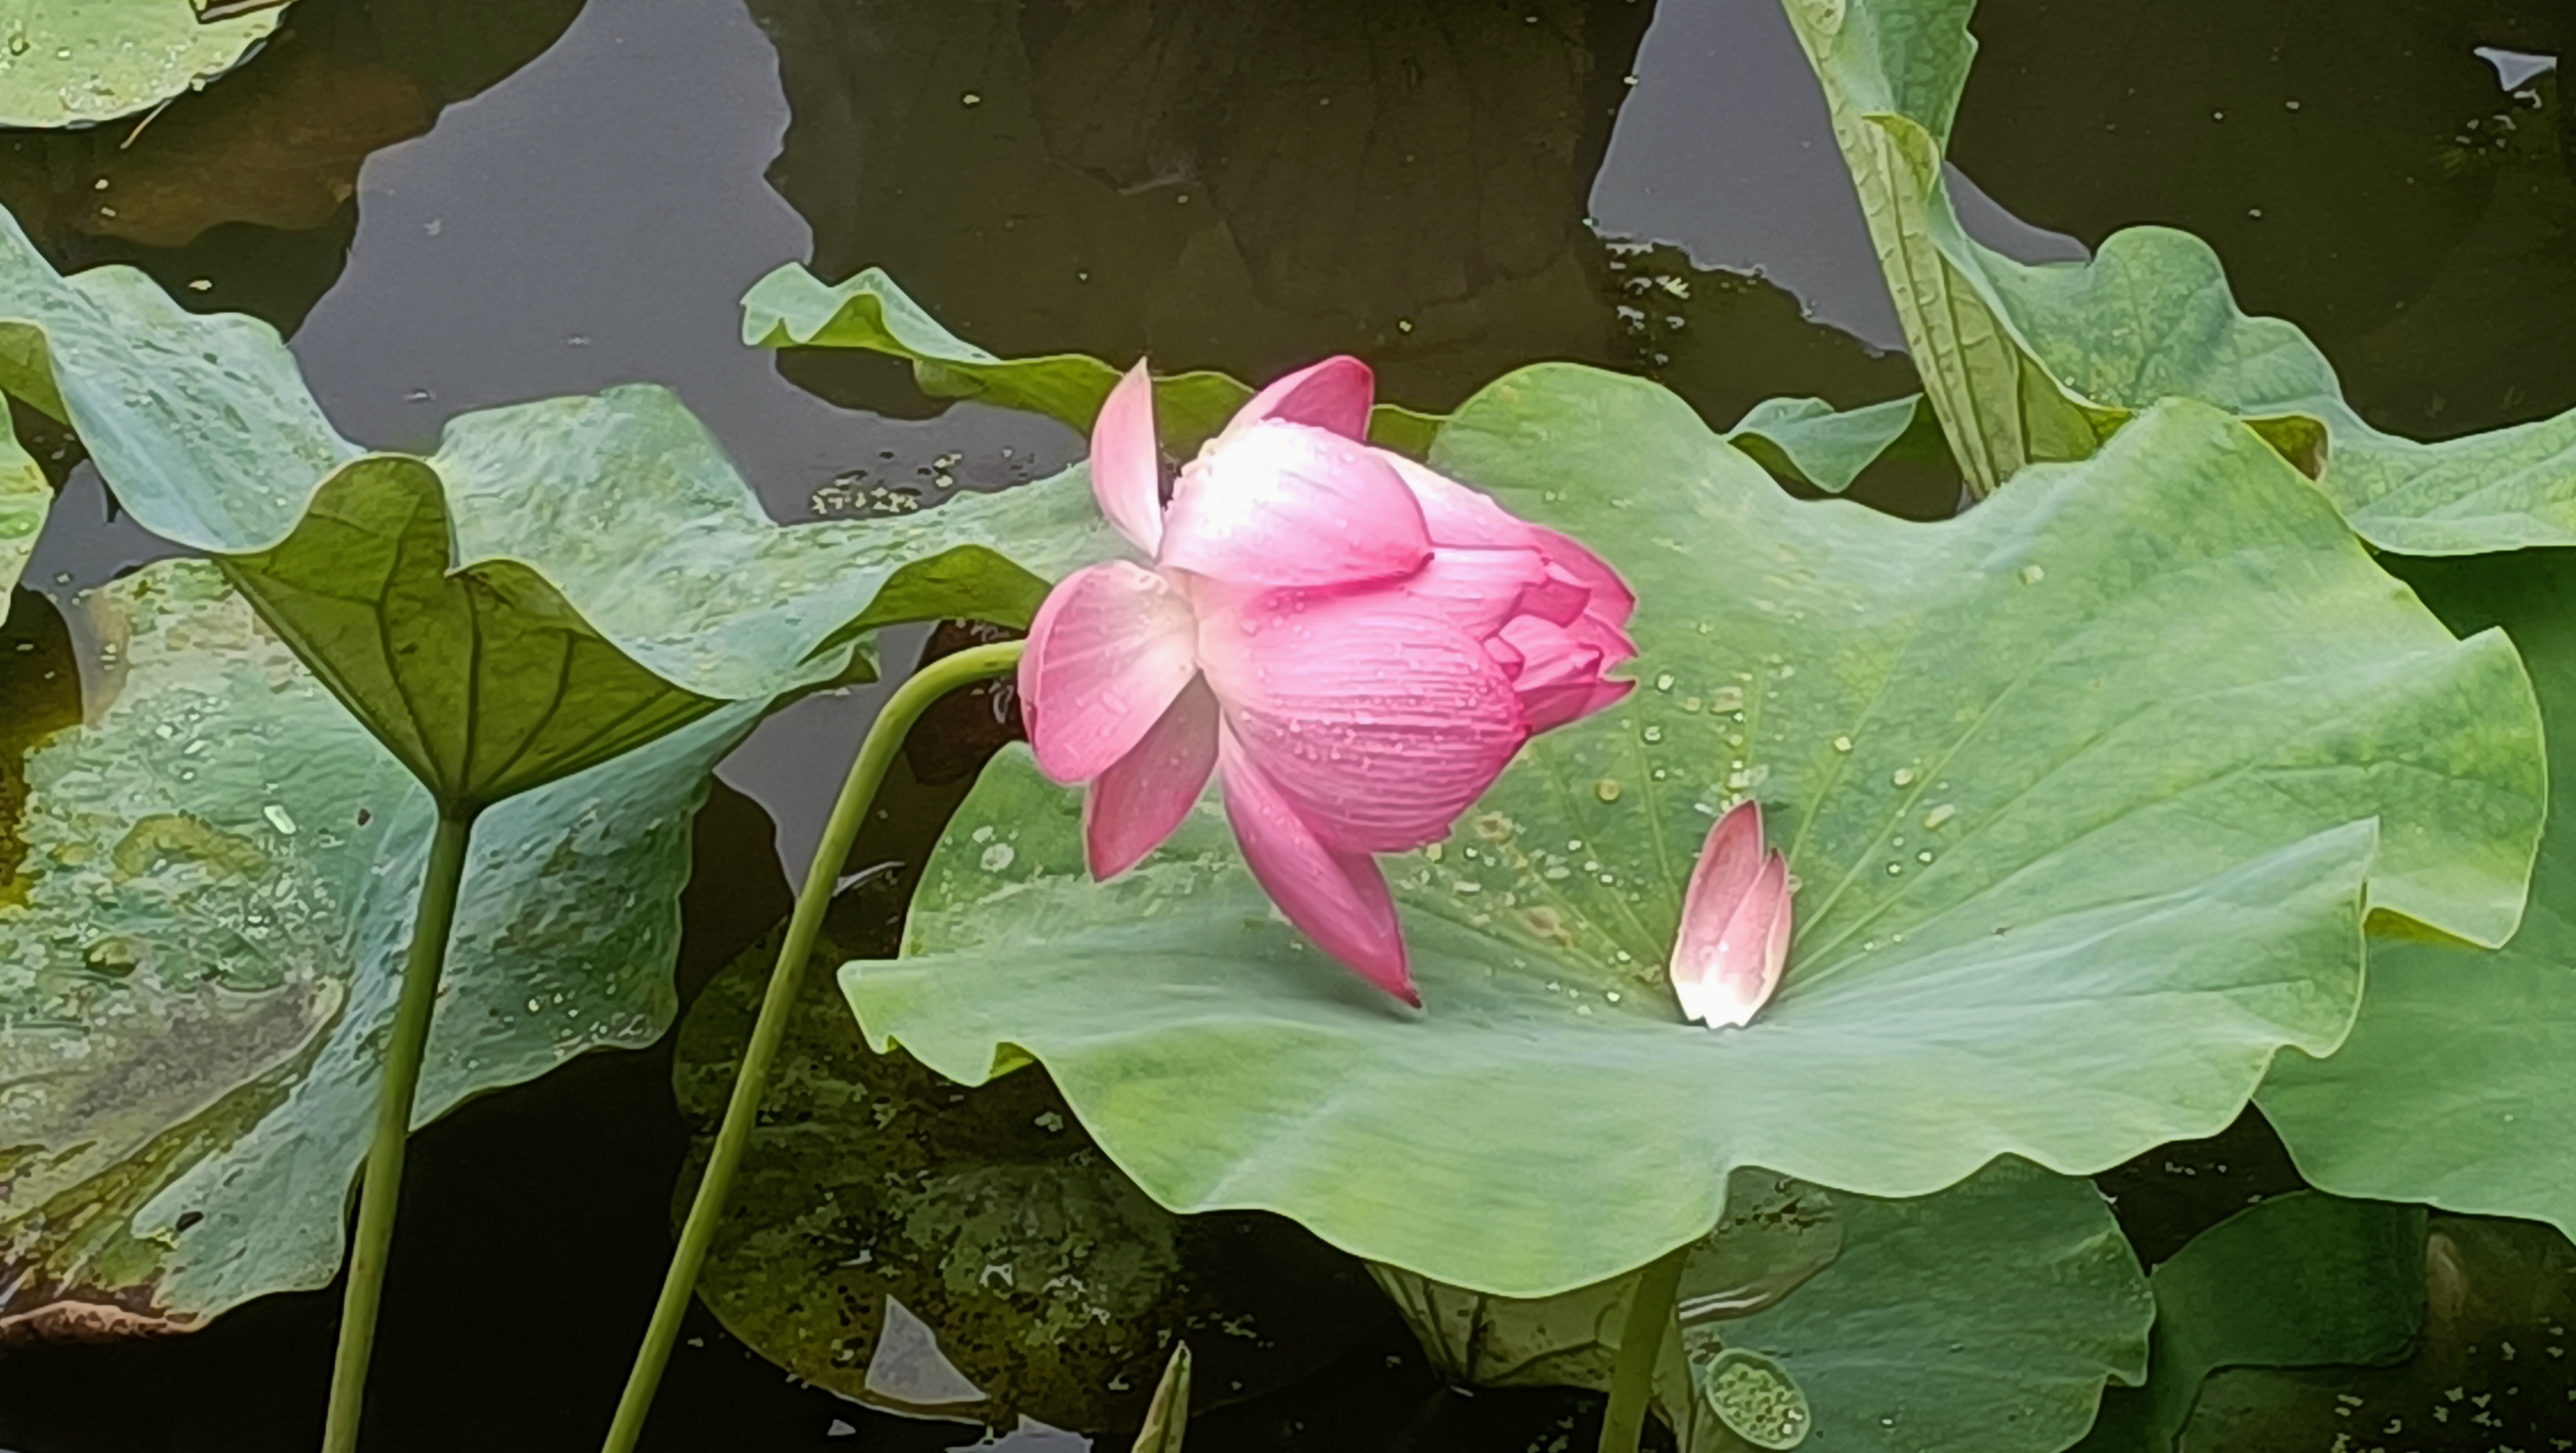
(25, 499)
(561, 580)
(2084, 793)
(200, 952)
(79, 62)
(2028, 363)
(2454, 1087)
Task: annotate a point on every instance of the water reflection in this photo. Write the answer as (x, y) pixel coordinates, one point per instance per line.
(2363, 171)
(1249, 184)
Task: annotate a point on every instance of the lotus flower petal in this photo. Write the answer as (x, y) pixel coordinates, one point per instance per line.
(1457, 515)
(1370, 709)
(1561, 676)
(1109, 650)
(1137, 802)
(1288, 505)
(1334, 394)
(1335, 897)
(1127, 463)
(1734, 935)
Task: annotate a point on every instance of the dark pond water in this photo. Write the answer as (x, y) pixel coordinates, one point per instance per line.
(451, 204)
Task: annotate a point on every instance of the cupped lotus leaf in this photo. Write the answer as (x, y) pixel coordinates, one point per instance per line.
(2302, 1280)
(973, 1256)
(1899, 1324)
(80, 62)
(2454, 1086)
(26, 497)
(1813, 443)
(2085, 793)
(792, 308)
(560, 580)
(2028, 363)
(200, 950)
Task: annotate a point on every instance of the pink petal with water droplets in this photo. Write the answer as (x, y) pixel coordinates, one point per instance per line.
(1127, 462)
(1457, 515)
(1336, 898)
(1110, 648)
(1561, 677)
(1137, 802)
(1289, 505)
(1370, 709)
(1334, 394)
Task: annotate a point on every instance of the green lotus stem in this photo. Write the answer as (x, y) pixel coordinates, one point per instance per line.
(381, 1193)
(751, 1081)
(1641, 1344)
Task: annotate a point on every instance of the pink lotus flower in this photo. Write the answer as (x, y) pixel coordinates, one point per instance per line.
(1358, 644)
(1735, 923)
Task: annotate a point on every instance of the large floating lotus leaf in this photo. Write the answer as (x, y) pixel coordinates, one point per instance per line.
(200, 950)
(79, 62)
(2454, 1087)
(973, 1255)
(559, 581)
(1904, 1324)
(2079, 790)
(2302, 1280)
(2028, 363)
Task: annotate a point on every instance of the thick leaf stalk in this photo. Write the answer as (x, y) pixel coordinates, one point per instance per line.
(381, 1194)
(1641, 1342)
(751, 1082)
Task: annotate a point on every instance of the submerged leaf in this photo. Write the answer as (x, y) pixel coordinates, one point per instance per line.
(929, 1251)
(2083, 793)
(200, 949)
(80, 62)
(2027, 363)
(2454, 1087)
(2302, 1280)
(2014, 1285)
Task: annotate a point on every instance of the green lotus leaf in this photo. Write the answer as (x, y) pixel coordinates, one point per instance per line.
(25, 499)
(2085, 792)
(1812, 443)
(201, 944)
(792, 308)
(1801, 439)
(560, 580)
(2013, 1288)
(80, 62)
(2453, 1088)
(1984, 1319)
(2302, 1280)
(2028, 363)
(972, 1256)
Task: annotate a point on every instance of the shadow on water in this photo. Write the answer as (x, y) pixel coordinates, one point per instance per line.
(454, 205)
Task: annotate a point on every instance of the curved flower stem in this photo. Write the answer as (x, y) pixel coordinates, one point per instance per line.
(1641, 1344)
(751, 1081)
(381, 1193)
